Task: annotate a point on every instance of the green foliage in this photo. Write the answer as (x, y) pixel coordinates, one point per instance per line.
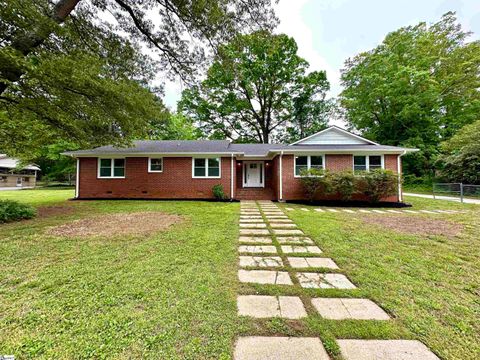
(314, 181)
(460, 161)
(378, 184)
(256, 85)
(218, 192)
(343, 183)
(13, 211)
(415, 89)
(173, 127)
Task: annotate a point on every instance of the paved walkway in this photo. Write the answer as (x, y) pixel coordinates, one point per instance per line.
(441, 197)
(274, 251)
(374, 211)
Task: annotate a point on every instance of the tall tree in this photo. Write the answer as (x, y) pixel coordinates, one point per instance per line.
(415, 89)
(65, 72)
(256, 87)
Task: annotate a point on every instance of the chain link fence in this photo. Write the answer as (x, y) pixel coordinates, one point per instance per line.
(459, 190)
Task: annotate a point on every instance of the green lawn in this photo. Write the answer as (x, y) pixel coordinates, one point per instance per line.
(173, 294)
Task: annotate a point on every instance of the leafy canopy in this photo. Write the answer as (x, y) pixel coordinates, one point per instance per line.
(415, 89)
(258, 87)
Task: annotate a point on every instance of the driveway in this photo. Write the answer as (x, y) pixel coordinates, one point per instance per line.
(448, 198)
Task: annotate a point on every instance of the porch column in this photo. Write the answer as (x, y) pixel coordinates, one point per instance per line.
(77, 179)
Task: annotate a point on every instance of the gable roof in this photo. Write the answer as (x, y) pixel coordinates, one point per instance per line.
(12, 163)
(334, 135)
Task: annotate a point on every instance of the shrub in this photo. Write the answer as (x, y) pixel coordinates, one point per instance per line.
(218, 192)
(313, 181)
(13, 211)
(379, 184)
(343, 183)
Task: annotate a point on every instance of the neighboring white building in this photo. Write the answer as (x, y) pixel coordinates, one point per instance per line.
(12, 176)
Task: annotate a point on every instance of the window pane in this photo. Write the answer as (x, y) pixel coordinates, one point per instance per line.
(316, 162)
(213, 172)
(199, 162)
(119, 162)
(360, 163)
(300, 164)
(199, 171)
(213, 167)
(119, 171)
(375, 162)
(213, 163)
(105, 162)
(105, 171)
(156, 164)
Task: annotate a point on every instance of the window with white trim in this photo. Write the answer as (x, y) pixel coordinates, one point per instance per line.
(206, 167)
(367, 162)
(155, 164)
(111, 168)
(303, 163)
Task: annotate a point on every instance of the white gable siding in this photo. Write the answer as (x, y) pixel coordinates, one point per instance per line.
(332, 137)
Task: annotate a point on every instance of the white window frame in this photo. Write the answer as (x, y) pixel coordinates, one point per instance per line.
(150, 165)
(112, 166)
(207, 168)
(367, 161)
(309, 157)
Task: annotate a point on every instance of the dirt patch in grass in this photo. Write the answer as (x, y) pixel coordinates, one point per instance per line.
(48, 211)
(416, 225)
(140, 223)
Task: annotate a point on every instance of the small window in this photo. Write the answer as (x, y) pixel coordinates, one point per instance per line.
(360, 163)
(303, 163)
(111, 168)
(207, 168)
(155, 165)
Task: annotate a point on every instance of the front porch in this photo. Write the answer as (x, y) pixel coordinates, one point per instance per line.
(255, 180)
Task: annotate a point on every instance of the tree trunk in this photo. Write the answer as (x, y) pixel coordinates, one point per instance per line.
(26, 43)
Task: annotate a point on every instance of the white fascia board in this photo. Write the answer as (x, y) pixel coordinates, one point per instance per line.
(159, 154)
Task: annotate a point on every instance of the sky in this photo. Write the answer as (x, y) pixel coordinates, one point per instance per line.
(330, 31)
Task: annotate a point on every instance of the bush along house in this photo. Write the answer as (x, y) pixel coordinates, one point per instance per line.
(196, 169)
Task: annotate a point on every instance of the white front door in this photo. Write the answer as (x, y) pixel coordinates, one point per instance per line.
(253, 174)
(19, 181)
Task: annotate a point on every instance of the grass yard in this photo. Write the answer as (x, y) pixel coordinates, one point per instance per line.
(171, 294)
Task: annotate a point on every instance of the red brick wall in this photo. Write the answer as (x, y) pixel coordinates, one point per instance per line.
(174, 182)
(292, 186)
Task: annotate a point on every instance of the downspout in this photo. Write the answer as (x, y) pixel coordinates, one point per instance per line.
(281, 177)
(399, 174)
(231, 178)
(77, 179)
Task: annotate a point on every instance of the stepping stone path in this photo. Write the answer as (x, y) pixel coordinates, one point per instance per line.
(266, 229)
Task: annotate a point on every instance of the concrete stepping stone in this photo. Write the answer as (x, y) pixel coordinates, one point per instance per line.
(273, 213)
(365, 211)
(324, 281)
(264, 306)
(255, 239)
(411, 211)
(298, 240)
(333, 210)
(257, 249)
(254, 232)
(288, 232)
(394, 211)
(249, 212)
(261, 261)
(428, 212)
(384, 350)
(379, 211)
(283, 225)
(316, 262)
(250, 217)
(299, 249)
(348, 211)
(264, 277)
(319, 210)
(272, 217)
(251, 221)
(356, 309)
(289, 208)
(280, 221)
(253, 225)
(279, 348)
(304, 209)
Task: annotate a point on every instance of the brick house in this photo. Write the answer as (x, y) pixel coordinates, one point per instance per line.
(183, 169)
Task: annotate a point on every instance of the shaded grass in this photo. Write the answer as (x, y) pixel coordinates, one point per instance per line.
(168, 295)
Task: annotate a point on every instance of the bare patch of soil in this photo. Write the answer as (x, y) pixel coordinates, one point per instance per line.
(416, 225)
(140, 223)
(47, 211)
